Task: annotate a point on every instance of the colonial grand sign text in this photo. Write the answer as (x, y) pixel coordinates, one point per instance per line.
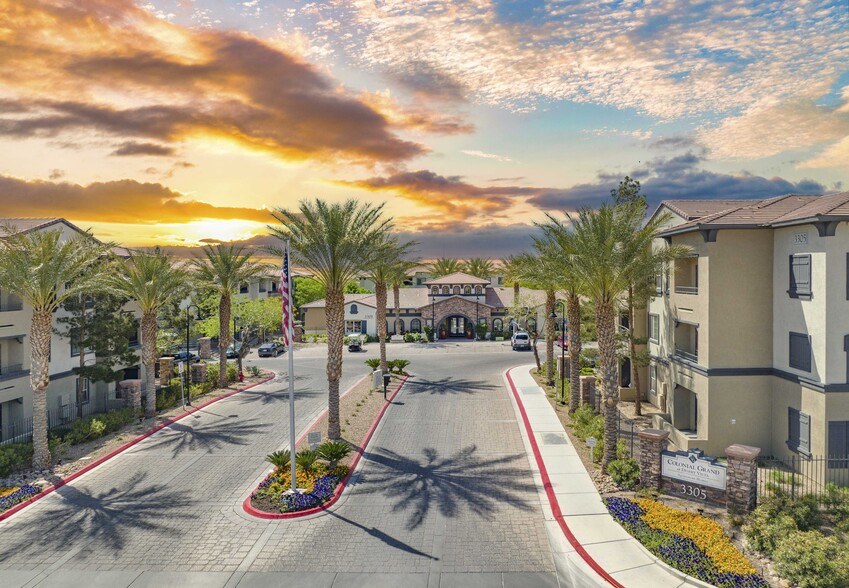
(693, 467)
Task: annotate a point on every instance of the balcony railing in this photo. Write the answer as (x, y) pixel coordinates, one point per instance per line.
(12, 370)
(687, 355)
(686, 289)
(11, 306)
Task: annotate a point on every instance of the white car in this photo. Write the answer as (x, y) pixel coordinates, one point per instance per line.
(520, 340)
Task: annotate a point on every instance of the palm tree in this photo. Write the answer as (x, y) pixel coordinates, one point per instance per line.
(610, 244)
(540, 272)
(222, 269)
(44, 270)
(152, 281)
(558, 243)
(512, 271)
(480, 267)
(445, 266)
(397, 274)
(335, 241)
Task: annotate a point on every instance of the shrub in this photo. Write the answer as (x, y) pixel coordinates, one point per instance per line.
(279, 459)
(15, 457)
(253, 370)
(812, 560)
(428, 331)
(373, 363)
(587, 423)
(333, 452)
(587, 371)
(232, 373)
(397, 365)
(305, 459)
(766, 526)
(89, 428)
(624, 472)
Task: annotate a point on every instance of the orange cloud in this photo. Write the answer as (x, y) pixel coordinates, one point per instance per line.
(123, 201)
(113, 68)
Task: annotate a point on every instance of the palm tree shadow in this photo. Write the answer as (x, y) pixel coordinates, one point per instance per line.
(207, 437)
(384, 537)
(109, 517)
(275, 396)
(463, 480)
(444, 386)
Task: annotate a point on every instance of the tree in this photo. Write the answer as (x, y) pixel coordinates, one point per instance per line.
(152, 281)
(45, 269)
(609, 245)
(262, 314)
(98, 323)
(335, 242)
(223, 269)
(627, 192)
(512, 267)
(306, 290)
(444, 266)
(480, 267)
(540, 272)
(397, 274)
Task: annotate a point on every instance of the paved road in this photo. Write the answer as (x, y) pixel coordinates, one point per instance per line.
(444, 490)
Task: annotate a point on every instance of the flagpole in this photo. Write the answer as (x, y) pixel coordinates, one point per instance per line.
(287, 268)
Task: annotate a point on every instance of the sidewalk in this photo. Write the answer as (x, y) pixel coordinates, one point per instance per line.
(594, 550)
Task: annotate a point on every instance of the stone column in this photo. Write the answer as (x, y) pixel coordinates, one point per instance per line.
(166, 370)
(742, 482)
(129, 388)
(298, 336)
(652, 443)
(564, 366)
(588, 393)
(204, 348)
(199, 373)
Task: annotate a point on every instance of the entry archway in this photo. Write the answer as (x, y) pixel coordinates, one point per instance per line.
(456, 326)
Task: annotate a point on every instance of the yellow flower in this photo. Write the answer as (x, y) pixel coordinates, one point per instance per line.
(7, 491)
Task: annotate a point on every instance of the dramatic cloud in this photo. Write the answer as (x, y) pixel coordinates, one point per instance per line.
(113, 68)
(134, 148)
(123, 201)
(678, 178)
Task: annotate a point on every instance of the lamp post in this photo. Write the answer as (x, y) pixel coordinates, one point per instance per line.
(238, 351)
(562, 373)
(477, 316)
(433, 315)
(188, 356)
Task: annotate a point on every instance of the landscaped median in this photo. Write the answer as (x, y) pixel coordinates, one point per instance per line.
(322, 473)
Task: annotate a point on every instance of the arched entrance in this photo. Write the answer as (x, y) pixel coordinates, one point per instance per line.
(456, 326)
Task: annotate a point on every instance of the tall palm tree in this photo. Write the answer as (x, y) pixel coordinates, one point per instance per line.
(222, 269)
(540, 272)
(335, 242)
(153, 282)
(512, 271)
(398, 273)
(610, 243)
(44, 270)
(444, 266)
(480, 267)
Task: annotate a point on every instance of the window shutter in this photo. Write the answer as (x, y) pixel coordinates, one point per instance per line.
(804, 432)
(800, 352)
(363, 329)
(793, 427)
(838, 443)
(800, 275)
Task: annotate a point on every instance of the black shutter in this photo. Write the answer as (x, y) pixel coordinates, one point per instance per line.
(838, 443)
(800, 352)
(792, 428)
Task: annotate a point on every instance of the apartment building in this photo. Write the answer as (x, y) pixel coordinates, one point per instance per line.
(16, 404)
(749, 334)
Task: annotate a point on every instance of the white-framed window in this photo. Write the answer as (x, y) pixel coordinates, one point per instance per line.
(467, 290)
(653, 379)
(654, 328)
(353, 327)
(85, 389)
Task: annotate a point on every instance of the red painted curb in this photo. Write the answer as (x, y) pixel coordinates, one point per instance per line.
(549, 491)
(6, 514)
(246, 505)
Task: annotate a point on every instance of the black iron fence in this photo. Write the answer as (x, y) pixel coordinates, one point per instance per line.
(59, 419)
(628, 430)
(825, 478)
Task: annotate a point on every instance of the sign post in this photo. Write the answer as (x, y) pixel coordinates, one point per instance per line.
(591, 443)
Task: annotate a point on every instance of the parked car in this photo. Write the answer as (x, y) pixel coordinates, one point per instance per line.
(520, 340)
(181, 356)
(563, 340)
(237, 349)
(272, 349)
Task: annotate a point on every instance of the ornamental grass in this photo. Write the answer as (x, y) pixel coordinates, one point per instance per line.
(688, 542)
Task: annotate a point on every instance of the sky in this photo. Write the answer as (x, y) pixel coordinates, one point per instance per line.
(184, 122)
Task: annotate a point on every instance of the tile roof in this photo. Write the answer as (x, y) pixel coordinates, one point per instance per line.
(693, 209)
(24, 225)
(418, 298)
(457, 278)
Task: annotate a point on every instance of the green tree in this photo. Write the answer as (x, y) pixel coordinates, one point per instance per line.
(445, 266)
(262, 314)
(306, 290)
(153, 281)
(223, 269)
(512, 267)
(335, 242)
(480, 267)
(98, 322)
(45, 269)
(627, 192)
(540, 271)
(353, 287)
(397, 274)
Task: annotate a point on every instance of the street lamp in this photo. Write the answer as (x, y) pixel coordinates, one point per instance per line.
(477, 316)
(188, 363)
(433, 315)
(238, 352)
(562, 373)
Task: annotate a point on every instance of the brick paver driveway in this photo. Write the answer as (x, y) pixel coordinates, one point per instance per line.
(445, 489)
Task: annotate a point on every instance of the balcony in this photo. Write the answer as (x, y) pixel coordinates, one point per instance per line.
(687, 342)
(11, 306)
(686, 289)
(686, 355)
(12, 371)
(687, 275)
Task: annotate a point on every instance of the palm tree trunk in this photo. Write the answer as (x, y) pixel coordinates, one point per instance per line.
(573, 317)
(148, 333)
(380, 293)
(549, 337)
(81, 342)
(608, 368)
(39, 377)
(223, 338)
(516, 290)
(396, 292)
(635, 372)
(335, 313)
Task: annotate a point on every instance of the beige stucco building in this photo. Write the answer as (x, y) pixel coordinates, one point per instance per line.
(749, 334)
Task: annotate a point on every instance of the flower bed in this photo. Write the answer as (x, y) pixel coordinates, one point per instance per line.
(690, 543)
(318, 487)
(9, 497)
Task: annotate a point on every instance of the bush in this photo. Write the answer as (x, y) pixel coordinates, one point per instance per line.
(624, 472)
(279, 459)
(812, 560)
(16, 456)
(373, 363)
(333, 452)
(232, 373)
(413, 338)
(766, 526)
(587, 371)
(89, 428)
(587, 423)
(397, 365)
(305, 460)
(428, 331)
(253, 370)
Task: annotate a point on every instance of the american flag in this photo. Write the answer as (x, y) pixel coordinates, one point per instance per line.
(285, 296)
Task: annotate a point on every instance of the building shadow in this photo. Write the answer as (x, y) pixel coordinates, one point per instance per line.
(445, 386)
(105, 517)
(464, 481)
(208, 437)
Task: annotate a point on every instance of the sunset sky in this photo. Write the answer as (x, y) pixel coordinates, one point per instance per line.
(181, 121)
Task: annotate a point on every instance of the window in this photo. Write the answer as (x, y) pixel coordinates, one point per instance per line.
(274, 286)
(800, 276)
(243, 288)
(354, 309)
(434, 290)
(85, 389)
(456, 290)
(654, 328)
(467, 290)
(653, 379)
(497, 325)
(416, 326)
(353, 327)
(478, 290)
(800, 351)
(658, 283)
(838, 444)
(798, 431)
(446, 290)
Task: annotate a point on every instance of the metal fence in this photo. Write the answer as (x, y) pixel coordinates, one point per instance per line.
(826, 478)
(59, 418)
(628, 430)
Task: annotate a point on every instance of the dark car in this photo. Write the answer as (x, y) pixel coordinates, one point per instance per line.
(180, 356)
(272, 349)
(237, 350)
(355, 346)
